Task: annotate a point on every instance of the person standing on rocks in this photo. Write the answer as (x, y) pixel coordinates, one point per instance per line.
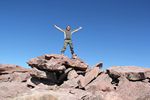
(67, 38)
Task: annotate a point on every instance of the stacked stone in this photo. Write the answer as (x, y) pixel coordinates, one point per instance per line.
(61, 70)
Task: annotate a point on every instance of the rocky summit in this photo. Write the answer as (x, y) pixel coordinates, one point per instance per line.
(57, 77)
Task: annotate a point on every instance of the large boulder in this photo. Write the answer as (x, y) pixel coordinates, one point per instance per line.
(72, 74)
(72, 83)
(51, 76)
(9, 90)
(132, 73)
(55, 62)
(11, 73)
(101, 83)
(129, 90)
(90, 75)
(56, 68)
(131, 82)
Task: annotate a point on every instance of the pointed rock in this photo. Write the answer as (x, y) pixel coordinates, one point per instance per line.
(89, 76)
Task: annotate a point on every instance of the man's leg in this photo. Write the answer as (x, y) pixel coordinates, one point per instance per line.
(64, 47)
(71, 47)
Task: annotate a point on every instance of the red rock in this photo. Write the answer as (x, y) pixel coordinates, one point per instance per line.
(11, 73)
(9, 68)
(130, 72)
(72, 83)
(51, 76)
(8, 90)
(89, 76)
(113, 96)
(63, 76)
(55, 62)
(72, 74)
(129, 90)
(101, 83)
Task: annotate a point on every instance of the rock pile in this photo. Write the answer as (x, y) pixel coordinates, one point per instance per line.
(13, 81)
(57, 77)
(57, 69)
(9, 73)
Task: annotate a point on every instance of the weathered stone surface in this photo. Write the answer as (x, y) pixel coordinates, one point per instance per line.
(72, 83)
(11, 73)
(101, 83)
(63, 76)
(72, 74)
(78, 93)
(60, 94)
(38, 73)
(51, 76)
(129, 90)
(55, 62)
(37, 95)
(89, 76)
(132, 73)
(113, 96)
(56, 77)
(8, 90)
(144, 97)
(9, 68)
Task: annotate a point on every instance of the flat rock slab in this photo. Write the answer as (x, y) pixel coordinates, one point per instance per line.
(56, 62)
(101, 83)
(72, 83)
(129, 90)
(11, 73)
(132, 73)
(10, 68)
(89, 76)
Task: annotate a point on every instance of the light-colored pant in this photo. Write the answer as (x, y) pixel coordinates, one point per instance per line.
(67, 42)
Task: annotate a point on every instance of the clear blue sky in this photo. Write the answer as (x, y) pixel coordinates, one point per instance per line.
(116, 32)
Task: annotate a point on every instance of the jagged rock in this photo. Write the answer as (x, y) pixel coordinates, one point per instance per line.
(63, 76)
(129, 90)
(132, 73)
(57, 77)
(72, 83)
(101, 83)
(51, 76)
(56, 65)
(11, 73)
(130, 81)
(38, 73)
(89, 76)
(55, 62)
(9, 68)
(72, 74)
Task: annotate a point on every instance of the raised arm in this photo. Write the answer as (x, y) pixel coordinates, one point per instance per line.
(76, 29)
(59, 28)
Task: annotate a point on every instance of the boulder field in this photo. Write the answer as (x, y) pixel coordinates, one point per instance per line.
(57, 77)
